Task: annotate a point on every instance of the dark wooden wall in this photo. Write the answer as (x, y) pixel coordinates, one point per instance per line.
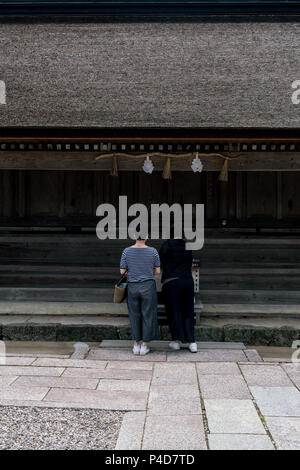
(71, 197)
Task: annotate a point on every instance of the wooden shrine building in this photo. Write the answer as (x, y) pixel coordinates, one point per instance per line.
(88, 89)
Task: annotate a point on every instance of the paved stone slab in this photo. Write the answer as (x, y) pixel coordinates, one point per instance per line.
(127, 344)
(58, 382)
(293, 371)
(171, 373)
(258, 364)
(34, 356)
(296, 380)
(239, 442)
(6, 380)
(206, 356)
(220, 345)
(29, 370)
(124, 355)
(112, 400)
(18, 361)
(118, 343)
(274, 351)
(174, 433)
(265, 376)
(277, 359)
(50, 404)
(9, 319)
(69, 363)
(277, 401)
(252, 355)
(23, 393)
(218, 368)
(135, 385)
(224, 386)
(80, 350)
(130, 365)
(121, 374)
(174, 400)
(285, 432)
(232, 417)
(293, 368)
(131, 432)
(49, 348)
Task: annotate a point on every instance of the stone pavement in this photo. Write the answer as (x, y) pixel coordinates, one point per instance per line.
(225, 396)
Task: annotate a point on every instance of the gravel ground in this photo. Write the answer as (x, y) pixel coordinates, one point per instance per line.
(58, 428)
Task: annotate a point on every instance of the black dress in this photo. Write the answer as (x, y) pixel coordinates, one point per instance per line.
(178, 289)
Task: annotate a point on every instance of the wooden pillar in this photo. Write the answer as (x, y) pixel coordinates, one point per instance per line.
(21, 193)
(8, 193)
(223, 200)
(211, 195)
(279, 195)
(241, 202)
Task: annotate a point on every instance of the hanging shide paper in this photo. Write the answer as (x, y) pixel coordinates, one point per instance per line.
(148, 166)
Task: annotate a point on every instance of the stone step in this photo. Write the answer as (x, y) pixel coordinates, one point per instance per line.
(106, 280)
(85, 328)
(205, 270)
(244, 282)
(101, 255)
(164, 345)
(64, 237)
(109, 309)
(71, 308)
(56, 308)
(249, 310)
(102, 294)
(88, 249)
(63, 294)
(243, 296)
(232, 278)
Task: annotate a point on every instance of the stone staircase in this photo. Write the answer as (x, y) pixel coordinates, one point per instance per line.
(242, 276)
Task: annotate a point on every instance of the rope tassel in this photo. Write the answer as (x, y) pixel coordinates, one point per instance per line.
(167, 174)
(224, 172)
(167, 171)
(114, 167)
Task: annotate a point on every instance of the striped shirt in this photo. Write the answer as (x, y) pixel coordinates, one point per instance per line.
(140, 263)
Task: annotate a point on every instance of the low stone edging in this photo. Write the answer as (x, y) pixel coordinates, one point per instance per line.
(247, 334)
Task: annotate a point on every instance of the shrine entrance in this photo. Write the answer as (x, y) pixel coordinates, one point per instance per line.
(49, 251)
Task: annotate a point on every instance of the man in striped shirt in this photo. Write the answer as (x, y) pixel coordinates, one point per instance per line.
(142, 263)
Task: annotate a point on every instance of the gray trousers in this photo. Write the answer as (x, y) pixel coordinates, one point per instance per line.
(142, 308)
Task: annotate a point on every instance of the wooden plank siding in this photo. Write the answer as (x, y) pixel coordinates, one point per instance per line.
(35, 197)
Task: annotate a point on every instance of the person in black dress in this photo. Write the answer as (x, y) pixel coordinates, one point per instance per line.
(178, 292)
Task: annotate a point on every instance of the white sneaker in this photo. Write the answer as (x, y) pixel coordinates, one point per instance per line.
(144, 350)
(136, 349)
(193, 347)
(174, 345)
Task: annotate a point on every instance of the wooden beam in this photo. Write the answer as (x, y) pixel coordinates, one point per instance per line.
(251, 161)
(154, 139)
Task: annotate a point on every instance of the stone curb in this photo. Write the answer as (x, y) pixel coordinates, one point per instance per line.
(261, 336)
(247, 334)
